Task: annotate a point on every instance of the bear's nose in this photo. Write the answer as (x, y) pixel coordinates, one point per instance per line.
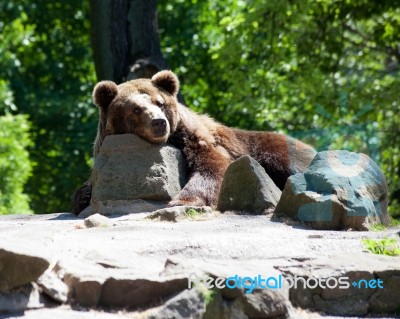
(159, 126)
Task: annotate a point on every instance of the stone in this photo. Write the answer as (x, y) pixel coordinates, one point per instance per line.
(339, 190)
(179, 213)
(265, 303)
(20, 264)
(386, 300)
(97, 220)
(350, 305)
(355, 299)
(221, 308)
(187, 304)
(21, 299)
(247, 187)
(127, 168)
(84, 281)
(53, 286)
(125, 291)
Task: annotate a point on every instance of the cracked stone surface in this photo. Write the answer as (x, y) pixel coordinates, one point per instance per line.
(139, 268)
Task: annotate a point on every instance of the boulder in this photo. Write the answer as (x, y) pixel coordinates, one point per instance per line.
(132, 175)
(20, 264)
(339, 190)
(247, 187)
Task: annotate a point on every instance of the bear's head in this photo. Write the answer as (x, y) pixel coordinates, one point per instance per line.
(145, 107)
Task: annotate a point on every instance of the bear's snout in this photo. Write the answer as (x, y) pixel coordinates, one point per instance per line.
(159, 126)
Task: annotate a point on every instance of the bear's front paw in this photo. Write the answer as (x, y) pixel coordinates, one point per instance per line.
(187, 201)
(81, 198)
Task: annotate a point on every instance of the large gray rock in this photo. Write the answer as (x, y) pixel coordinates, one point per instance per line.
(339, 190)
(20, 264)
(247, 187)
(132, 175)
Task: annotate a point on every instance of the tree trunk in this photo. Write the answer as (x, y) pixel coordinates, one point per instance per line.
(124, 39)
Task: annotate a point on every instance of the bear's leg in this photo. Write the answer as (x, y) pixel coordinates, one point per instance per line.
(199, 191)
(209, 164)
(81, 198)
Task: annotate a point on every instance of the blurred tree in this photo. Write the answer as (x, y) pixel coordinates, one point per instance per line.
(47, 67)
(125, 40)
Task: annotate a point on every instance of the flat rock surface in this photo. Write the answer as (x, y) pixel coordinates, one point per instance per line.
(133, 247)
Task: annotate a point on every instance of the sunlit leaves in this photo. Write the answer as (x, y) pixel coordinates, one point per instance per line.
(15, 167)
(47, 72)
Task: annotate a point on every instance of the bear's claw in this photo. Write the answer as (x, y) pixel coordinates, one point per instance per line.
(81, 198)
(192, 201)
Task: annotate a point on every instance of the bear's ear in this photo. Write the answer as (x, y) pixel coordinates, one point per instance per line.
(104, 92)
(167, 81)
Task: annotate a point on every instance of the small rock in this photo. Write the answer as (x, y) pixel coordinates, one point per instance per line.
(53, 286)
(247, 187)
(97, 220)
(339, 190)
(20, 264)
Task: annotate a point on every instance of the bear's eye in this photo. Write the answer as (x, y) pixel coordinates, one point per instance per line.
(160, 104)
(137, 110)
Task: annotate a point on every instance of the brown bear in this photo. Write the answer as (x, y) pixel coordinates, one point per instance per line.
(149, 108)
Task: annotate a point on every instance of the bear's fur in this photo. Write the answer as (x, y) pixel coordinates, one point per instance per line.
(149, 108)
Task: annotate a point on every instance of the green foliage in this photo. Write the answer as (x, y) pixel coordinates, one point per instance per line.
(385, 246)
(325, 71)
(394, 222)
(192, 213)
(378, 227)
(46, 71)
(15, 167)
